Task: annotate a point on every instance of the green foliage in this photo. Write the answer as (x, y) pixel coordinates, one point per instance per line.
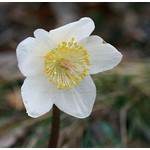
(121, 91)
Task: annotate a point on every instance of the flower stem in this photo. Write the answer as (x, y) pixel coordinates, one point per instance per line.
(54, 128)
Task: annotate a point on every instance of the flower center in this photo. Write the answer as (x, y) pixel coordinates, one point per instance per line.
(67, 64)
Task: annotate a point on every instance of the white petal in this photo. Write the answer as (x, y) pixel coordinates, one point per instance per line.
(30, 53)
(79, 30)
(37, 96)
(40, 34)
(79, 100)
(44, 39)
(102, 56)
(29, 61)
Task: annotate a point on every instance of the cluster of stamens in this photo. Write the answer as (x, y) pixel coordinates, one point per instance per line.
(67, 64)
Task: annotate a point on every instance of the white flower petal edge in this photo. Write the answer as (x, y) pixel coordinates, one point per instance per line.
(27, 58)
(37, 96)
(30, 53)
(44, 39)
(79, 30)
(40, 34)
(102, 56)
(79, 100)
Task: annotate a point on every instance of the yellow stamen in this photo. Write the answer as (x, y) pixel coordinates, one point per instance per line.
(67, 64)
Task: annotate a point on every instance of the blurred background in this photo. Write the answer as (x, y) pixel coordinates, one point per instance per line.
(121, 114)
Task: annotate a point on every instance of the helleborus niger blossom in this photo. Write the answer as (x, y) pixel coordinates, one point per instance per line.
(57, 65)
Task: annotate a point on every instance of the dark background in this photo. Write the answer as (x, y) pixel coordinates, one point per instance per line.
(121, 114)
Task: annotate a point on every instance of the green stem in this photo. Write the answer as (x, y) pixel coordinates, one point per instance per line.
(54, 128)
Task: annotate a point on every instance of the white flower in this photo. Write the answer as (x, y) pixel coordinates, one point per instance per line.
(57, 65)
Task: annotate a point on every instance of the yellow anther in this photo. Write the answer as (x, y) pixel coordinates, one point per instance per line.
(64, 43)
(72, 39)
(70, 43)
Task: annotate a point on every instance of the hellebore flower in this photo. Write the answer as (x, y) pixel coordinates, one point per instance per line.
(57, 66)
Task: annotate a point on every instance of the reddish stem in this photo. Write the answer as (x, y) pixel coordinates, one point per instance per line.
(54, 128)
